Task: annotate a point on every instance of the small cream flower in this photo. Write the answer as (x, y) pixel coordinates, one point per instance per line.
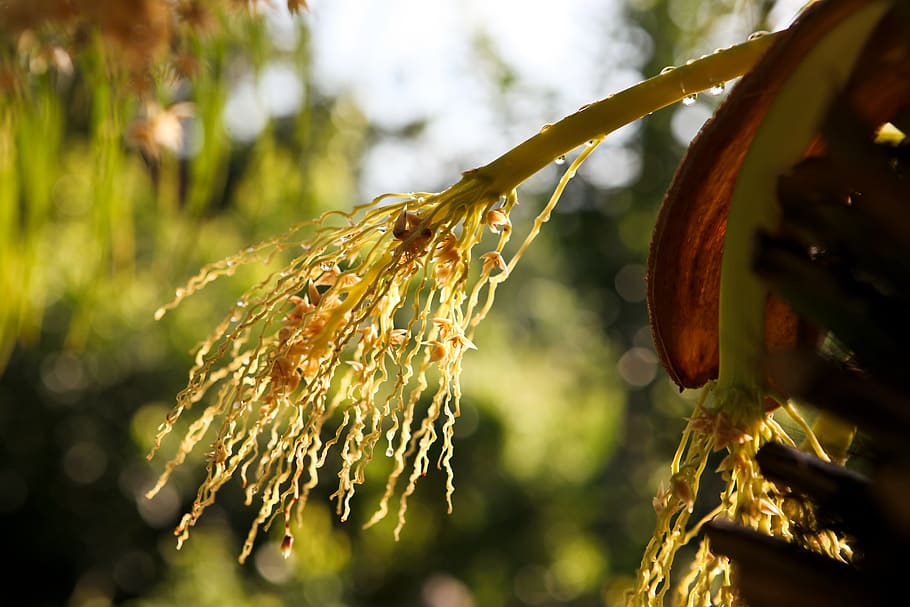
(498, 221)
(159, 128)
(493, 259)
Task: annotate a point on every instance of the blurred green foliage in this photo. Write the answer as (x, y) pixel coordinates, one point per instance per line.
(567, 419)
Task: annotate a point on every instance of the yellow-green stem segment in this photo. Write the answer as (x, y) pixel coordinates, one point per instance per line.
(596, 120)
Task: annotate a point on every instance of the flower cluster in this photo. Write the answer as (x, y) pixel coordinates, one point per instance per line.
(376, 307)
(748, 497)
(355, 345)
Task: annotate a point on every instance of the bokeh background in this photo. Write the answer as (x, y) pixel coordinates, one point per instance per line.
(568, 419)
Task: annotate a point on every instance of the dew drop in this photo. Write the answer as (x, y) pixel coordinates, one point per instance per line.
(241, 303)
(325, 266)
(717, 89)
(689, 99)
(235, 318)
(758, 34)
(180, 292)
(249, 249)
(545, 128)
(561, 160)
(389, 452)
(382, 229)
(591, 143)
(229, 263)
(690, 61)
(667, 69)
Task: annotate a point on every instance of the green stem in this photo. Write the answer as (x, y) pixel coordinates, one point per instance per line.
(596, 120)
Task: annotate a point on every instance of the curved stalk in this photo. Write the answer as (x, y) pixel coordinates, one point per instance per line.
(594, 121)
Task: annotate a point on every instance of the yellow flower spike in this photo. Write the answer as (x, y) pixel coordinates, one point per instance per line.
(337, 338)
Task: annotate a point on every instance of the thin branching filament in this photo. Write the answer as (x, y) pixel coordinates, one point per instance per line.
(747, 498)
(355, 346)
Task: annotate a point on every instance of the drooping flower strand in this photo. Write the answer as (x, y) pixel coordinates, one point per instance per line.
(542, 218)
(349, 335)
(747, 498)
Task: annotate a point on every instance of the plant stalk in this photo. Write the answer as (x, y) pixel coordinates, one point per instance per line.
(596, 120)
